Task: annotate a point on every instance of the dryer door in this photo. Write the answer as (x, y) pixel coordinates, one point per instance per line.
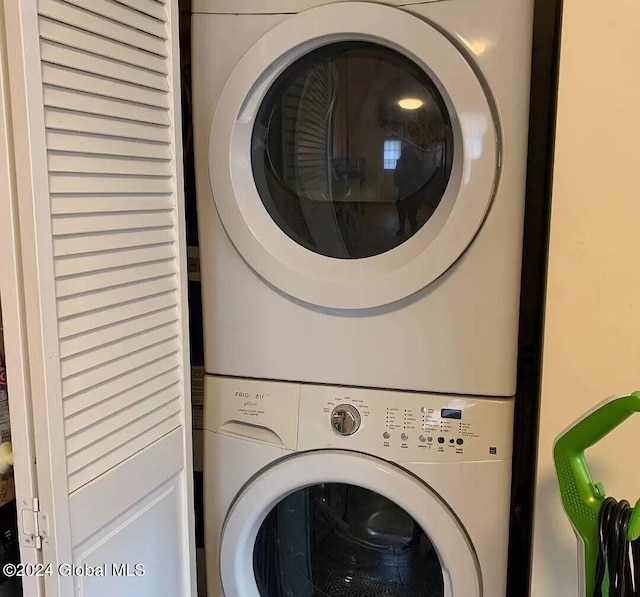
(343, 523)
(353, 155)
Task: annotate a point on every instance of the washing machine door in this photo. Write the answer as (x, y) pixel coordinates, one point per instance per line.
(353, 155)
(342, 523)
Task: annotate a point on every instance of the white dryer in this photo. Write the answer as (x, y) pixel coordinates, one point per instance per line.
(319, 490)
(360, 173)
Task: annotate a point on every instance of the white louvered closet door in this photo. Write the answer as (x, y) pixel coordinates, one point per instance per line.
(95, 100)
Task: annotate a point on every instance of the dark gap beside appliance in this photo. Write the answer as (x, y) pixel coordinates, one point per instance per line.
(545, 62)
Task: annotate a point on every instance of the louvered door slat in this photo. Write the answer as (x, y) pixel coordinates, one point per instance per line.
(115, 350)
(141, 439)
(81, 224)
(82, 244)
(120, 13)
(131, 381)
(105, 67)
(73, 37)
(121, 419)
(101, 280)
(85, 418)
(106, 354)
(73, 143)
(77, 265)
(105, 320)
(92, 164)
(111, 297)
(69, 183)
(113, 370)
(112, 333)
(149, 7)
(114, 414)
(91, 104)
(60, 11)
(59, 76)
(63, 120)
(85, 454)
(116, 204)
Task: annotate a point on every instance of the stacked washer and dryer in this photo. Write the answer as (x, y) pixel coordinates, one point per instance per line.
(360, 171)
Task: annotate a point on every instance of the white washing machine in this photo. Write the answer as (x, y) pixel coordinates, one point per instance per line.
(360, 171)
(320, 490)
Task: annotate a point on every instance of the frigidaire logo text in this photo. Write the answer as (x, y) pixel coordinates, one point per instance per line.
(245, 395)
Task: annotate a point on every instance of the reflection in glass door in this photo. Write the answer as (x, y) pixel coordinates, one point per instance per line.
(338, 540)
(352, 150)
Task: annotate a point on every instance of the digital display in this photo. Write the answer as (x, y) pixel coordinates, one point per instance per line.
(451, 413)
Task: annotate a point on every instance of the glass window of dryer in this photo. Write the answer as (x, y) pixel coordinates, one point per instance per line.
(352, 150)
(337, 540)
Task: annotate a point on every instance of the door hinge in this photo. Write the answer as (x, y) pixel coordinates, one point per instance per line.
(35, 523)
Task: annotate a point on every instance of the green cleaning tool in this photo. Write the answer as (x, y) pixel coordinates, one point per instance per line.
(583, 499)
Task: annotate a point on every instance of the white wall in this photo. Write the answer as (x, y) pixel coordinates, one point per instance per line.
(592, 328)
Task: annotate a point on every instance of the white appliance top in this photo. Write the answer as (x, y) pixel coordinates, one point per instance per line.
(395, 426)
(276, 6)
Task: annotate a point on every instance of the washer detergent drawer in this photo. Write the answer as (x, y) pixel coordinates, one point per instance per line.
(255, 410)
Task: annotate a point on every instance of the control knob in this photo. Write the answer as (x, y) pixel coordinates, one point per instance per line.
(345, 419)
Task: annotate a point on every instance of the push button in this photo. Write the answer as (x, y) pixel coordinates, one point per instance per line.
(441, 440)
(459, 441)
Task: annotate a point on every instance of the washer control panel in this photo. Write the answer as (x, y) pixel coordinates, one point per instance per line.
(396, 426)
(405, 426)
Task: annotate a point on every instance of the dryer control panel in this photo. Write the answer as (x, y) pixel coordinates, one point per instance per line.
(396, 426)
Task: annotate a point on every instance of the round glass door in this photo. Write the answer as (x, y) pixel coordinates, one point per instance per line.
(353, 155)
(336, 540)
(332, 523)
(352, 150)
